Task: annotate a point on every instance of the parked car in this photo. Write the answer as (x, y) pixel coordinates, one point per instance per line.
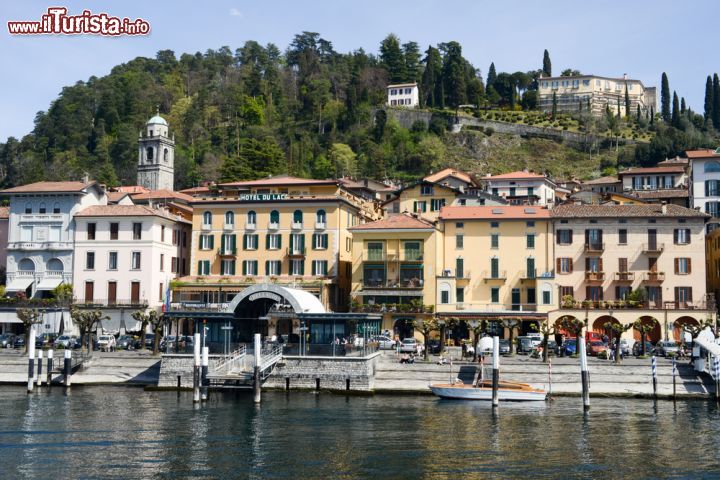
(525, 345)
(125, 342)
(106, 343)
(504, 347)
(149, 340)
(385, 342)
(7, 340)
(19, 341)
(66, 341)
(39, 341)
(595, 347)
(552, 347)
(168, 342)
(409, 345)
(667, 348)
(637, 348)
(570, 347)
(625, 348)
(434, 347)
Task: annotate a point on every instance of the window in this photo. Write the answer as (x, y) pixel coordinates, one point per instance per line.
(495, 295)
(165, 155)
(162, 233)
(204, 267)
(375, 251)
(250, 241)
(149, 152)
(546, 294)
(530, 224)
(207, 218)
(90, 261)
(420, 207)
(512, 191)
(594, 238)
(137, 231)
(273, 267)
(459, 225)
(494, 224)
(297, 216)
(184, 239)
(162, 262)
(712, 167)
(564, 237)
(445, 296)
(297, 267)
(135, 265)
(28, 208)
(622, 265)
(622, 236)
(593, 264)
(436, 204)
(112, 260)
(42, 208)
(412, 251)
(320, 217)
(175, 236)
(229, 218)
(459, 240)
(319, 268)
(207, 242)
(273, 241)
(227, 267)
(683, 266)
(426, 190)
(621, 292)
(55, 233)
(530, 240)
(114, 229)
(251, 217)
(531, 296)
(297, 244)
(681, 236)
(594, 294)
(275, 217)
(91, 227)
(564, 265)
(174, 264)
(494, 267)
(320, 241)
(494, 240)
(683, 295)
(459, 295)
(713, 208)
(566, 292)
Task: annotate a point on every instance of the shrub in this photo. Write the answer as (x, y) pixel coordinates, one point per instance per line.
(489, 131)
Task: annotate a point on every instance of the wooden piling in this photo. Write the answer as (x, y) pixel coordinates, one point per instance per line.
(31, 358)
(196, 368)
(204, 374)
(49, 367)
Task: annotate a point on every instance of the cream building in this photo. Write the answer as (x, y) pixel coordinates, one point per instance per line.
(522, 187)
(604, 253)
(595, 93)
(403, 95)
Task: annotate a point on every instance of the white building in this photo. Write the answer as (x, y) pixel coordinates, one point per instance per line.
(41, 232)
(522, 187)
(156, 156)
(705, 185)
(125, 258)
(403, 95)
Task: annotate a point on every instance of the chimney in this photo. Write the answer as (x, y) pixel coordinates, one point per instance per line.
(86, 177)
(624, 76)
(663, 208)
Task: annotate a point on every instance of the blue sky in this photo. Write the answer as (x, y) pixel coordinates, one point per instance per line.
(640, 38)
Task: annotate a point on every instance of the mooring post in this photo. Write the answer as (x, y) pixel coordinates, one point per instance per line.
(196, 368)
(549, 377)
(49, 367)
(674, 373)
(256, 370)
(716, 368)
(584, 375)
(38, 374)
(654, 375)
(31, 358)
(67, 368)
(204, 373)
(496, 371)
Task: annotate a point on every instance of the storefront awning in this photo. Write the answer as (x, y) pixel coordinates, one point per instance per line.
(19, 284)
(49, 283)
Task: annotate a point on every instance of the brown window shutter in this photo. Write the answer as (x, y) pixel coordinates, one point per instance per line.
(689, 294)
(557, 265)
(571, 264)
(676, 262)
(689, 263)
(587, 263)
(600, 265)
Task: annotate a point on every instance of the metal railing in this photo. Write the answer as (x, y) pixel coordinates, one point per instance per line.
(594, 247)
(111, 303)
(230, 362)
(653, 277)
(653, 247)
(295, 251)
(594, 276)
(624, 276)
(498, 275)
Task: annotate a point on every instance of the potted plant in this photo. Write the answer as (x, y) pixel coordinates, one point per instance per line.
(568, 301)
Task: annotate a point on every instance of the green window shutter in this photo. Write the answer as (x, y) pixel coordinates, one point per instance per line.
(232, 267)
(279, 238)
(244, 268)
(212, 241)
(292, 241)
(199, 270)
(267, 267)
(267, 242)
(302, 242)
(302, 265)
(325, 237)
(314, 241)
(233, 242)
(222, 243)
(415, 207)
(313, 269)
(245, 241)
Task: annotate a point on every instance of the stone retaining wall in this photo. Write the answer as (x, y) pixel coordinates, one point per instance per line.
(176, 365)
(332, 372)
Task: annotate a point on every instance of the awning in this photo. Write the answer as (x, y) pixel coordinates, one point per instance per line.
(19, 284)
(49, 283)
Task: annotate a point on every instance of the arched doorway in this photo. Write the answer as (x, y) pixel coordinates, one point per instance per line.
(601, 327)
(404, 328)
(679, 327)
(560, 330)
(653, 335)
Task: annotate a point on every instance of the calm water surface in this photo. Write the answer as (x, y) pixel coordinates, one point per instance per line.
(120, 432)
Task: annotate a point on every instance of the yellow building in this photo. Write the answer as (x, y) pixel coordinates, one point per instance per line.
(712, 259)
(497, 264)
(283, 230)
(394, 265)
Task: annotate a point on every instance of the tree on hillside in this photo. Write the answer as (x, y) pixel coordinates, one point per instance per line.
(432, 77)
(716, 102)
(665, 99)
(675, 116)
(627, 101)
(413, 68)
(454, 75)
(708, 110)
(569, 72)
(683, 106)
(491, 76)
(547, 65)
(554, 106)
(392, 58)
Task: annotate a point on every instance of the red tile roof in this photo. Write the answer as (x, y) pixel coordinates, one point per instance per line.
(602, 180)
(132, 189)
(50, 187)
(162, 194)
(127, 211)
(625, 211)
(115, 197)
(494, 212)
(704, 153)
(281, 180)
(520, 174)
(195, 190)
(649, 170)
(396, 222)
(449, 172)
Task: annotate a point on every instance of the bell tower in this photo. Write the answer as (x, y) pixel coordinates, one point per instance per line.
(156, 156)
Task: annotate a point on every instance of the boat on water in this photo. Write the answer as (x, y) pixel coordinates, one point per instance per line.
(507, 391)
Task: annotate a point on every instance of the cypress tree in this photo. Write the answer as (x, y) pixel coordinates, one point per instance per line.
(683, 108)
(675, 116)
(716, 102)
(392, 58)
(665, 98)
(618, 107)
(554, 104)
(547, 65)
(637, 114)
(492, 76)
(432, 77)
(652, 115)
(627, 101)
(708, 98)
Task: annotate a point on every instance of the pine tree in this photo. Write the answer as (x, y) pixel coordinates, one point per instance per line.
(411, 53)
(675, 116)
(432, 77)
(708, 98)
(547, 65)
(618, 108)
(665, 98)
(627, 101)
(716, 102)
(492, 76)
(392, 59)
(637, 114)
(454, 75)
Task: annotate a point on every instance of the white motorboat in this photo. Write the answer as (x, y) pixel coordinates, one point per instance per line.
(507, 391)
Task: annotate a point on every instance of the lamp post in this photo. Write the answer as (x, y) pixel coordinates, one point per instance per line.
(610, 313)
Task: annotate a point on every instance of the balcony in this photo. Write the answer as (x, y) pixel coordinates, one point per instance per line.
(250, 226)
(594, 248)
(227, 252)
(622, 277)
(33, 246)
(654, 277)
(273, 225)
(528, 275)
(111, 303)
(319, 225)
(296, 225)
(499, 275)
(411, 256)
(375, 256)
(653, 248)
(229, 227)
(393, 308)
(406, 283)
(295, 252)
(594, 276)
(206, 227)
(486, 307)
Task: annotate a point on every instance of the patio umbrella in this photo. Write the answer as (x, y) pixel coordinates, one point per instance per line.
(62, 323)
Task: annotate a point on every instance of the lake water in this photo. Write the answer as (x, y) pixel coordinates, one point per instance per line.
(123, 432)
